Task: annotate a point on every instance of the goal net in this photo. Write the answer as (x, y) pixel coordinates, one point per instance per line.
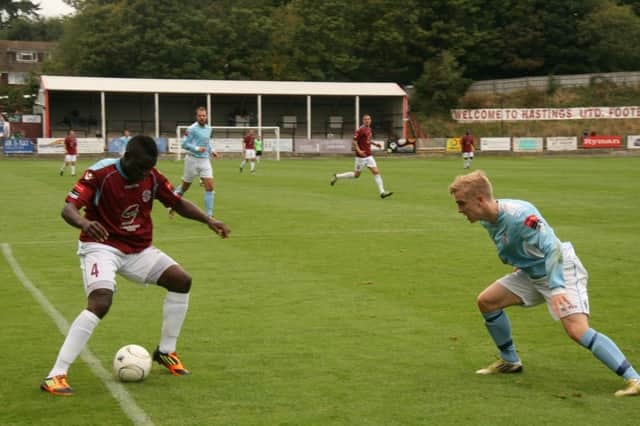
(228, 139)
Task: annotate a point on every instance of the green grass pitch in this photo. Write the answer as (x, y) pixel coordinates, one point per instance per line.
(328, 305)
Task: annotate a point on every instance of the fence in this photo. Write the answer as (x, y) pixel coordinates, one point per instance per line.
(542, 83)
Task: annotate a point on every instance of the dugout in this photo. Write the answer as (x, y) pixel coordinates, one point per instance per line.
(103, 107)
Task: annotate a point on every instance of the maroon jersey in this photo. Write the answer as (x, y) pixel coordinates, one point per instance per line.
(71, 145)
(249, 142)
(123, 208)
(467, 143)
(363, 138)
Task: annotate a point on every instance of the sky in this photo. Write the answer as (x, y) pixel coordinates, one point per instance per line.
(50, 8)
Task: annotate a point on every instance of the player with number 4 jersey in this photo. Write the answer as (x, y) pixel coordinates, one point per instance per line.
(116, 234)
(123, 208)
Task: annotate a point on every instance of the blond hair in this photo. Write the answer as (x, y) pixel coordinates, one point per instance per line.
(472, 184)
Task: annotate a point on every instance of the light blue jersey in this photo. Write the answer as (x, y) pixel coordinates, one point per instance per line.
(525, 240)
(123, 141)
(105, 162)
(196, 137)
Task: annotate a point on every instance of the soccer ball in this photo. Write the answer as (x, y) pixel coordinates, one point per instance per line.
(132, 363)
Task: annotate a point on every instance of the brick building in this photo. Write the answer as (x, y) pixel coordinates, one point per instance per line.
(19, 58)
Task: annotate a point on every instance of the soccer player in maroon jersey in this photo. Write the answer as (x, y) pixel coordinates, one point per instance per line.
(71, 152)
(116, 235)
(467, 149)
(249, 151)
(362, 141)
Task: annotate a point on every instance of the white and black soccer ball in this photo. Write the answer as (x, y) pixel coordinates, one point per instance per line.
(132, 363)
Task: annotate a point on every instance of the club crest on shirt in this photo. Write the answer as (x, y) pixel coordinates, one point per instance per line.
(532, 221)
(88, 175)
(146, 195)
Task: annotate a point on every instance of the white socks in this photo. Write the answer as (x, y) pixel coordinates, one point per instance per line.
(77, 337)
(346, 175)
(378, 180)
(174, 312)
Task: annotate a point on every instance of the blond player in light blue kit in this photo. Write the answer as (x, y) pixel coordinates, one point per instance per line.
(197, 143)
(547, 271)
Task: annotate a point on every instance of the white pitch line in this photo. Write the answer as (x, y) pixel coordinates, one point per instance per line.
(129, 406)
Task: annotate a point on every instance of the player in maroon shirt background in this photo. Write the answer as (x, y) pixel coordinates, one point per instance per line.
(249, 151)
(71, 152)
(362, 141)
(116, 235)
(468, 146)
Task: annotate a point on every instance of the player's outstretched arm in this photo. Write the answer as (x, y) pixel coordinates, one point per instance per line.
(94, 229)
(186, 208)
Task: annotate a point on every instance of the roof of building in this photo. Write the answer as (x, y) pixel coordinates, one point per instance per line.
(40, 46)
(235, 87)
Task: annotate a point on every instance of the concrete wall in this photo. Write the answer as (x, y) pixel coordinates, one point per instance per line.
(542, 83)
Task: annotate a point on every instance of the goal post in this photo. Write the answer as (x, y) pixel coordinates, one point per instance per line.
(229, 139)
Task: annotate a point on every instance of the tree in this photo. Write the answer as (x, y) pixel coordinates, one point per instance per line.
(317, 44)
(344, 40)
(635, 5)
(563, 52)
(10, 10)
(19, 98)
(38, 29)
(522, 38)
(240, 39)
(611, 36)
(382, 39)
(166, 39)
(135, 38)
(440, 85)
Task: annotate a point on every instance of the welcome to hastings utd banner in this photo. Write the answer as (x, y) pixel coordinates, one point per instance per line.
(534, 114)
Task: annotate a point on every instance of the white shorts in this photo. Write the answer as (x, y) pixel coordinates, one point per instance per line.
(249, 154)
(196, 167)
(467, 155)
(536, 291)
(361, 162)
(68, 158)
(100, 263)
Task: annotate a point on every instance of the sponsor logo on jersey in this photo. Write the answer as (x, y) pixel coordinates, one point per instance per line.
(146, 195)
(129, 216)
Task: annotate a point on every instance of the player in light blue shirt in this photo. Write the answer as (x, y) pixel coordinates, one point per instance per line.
(197, 144)
(546, 271)
(124, 140)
